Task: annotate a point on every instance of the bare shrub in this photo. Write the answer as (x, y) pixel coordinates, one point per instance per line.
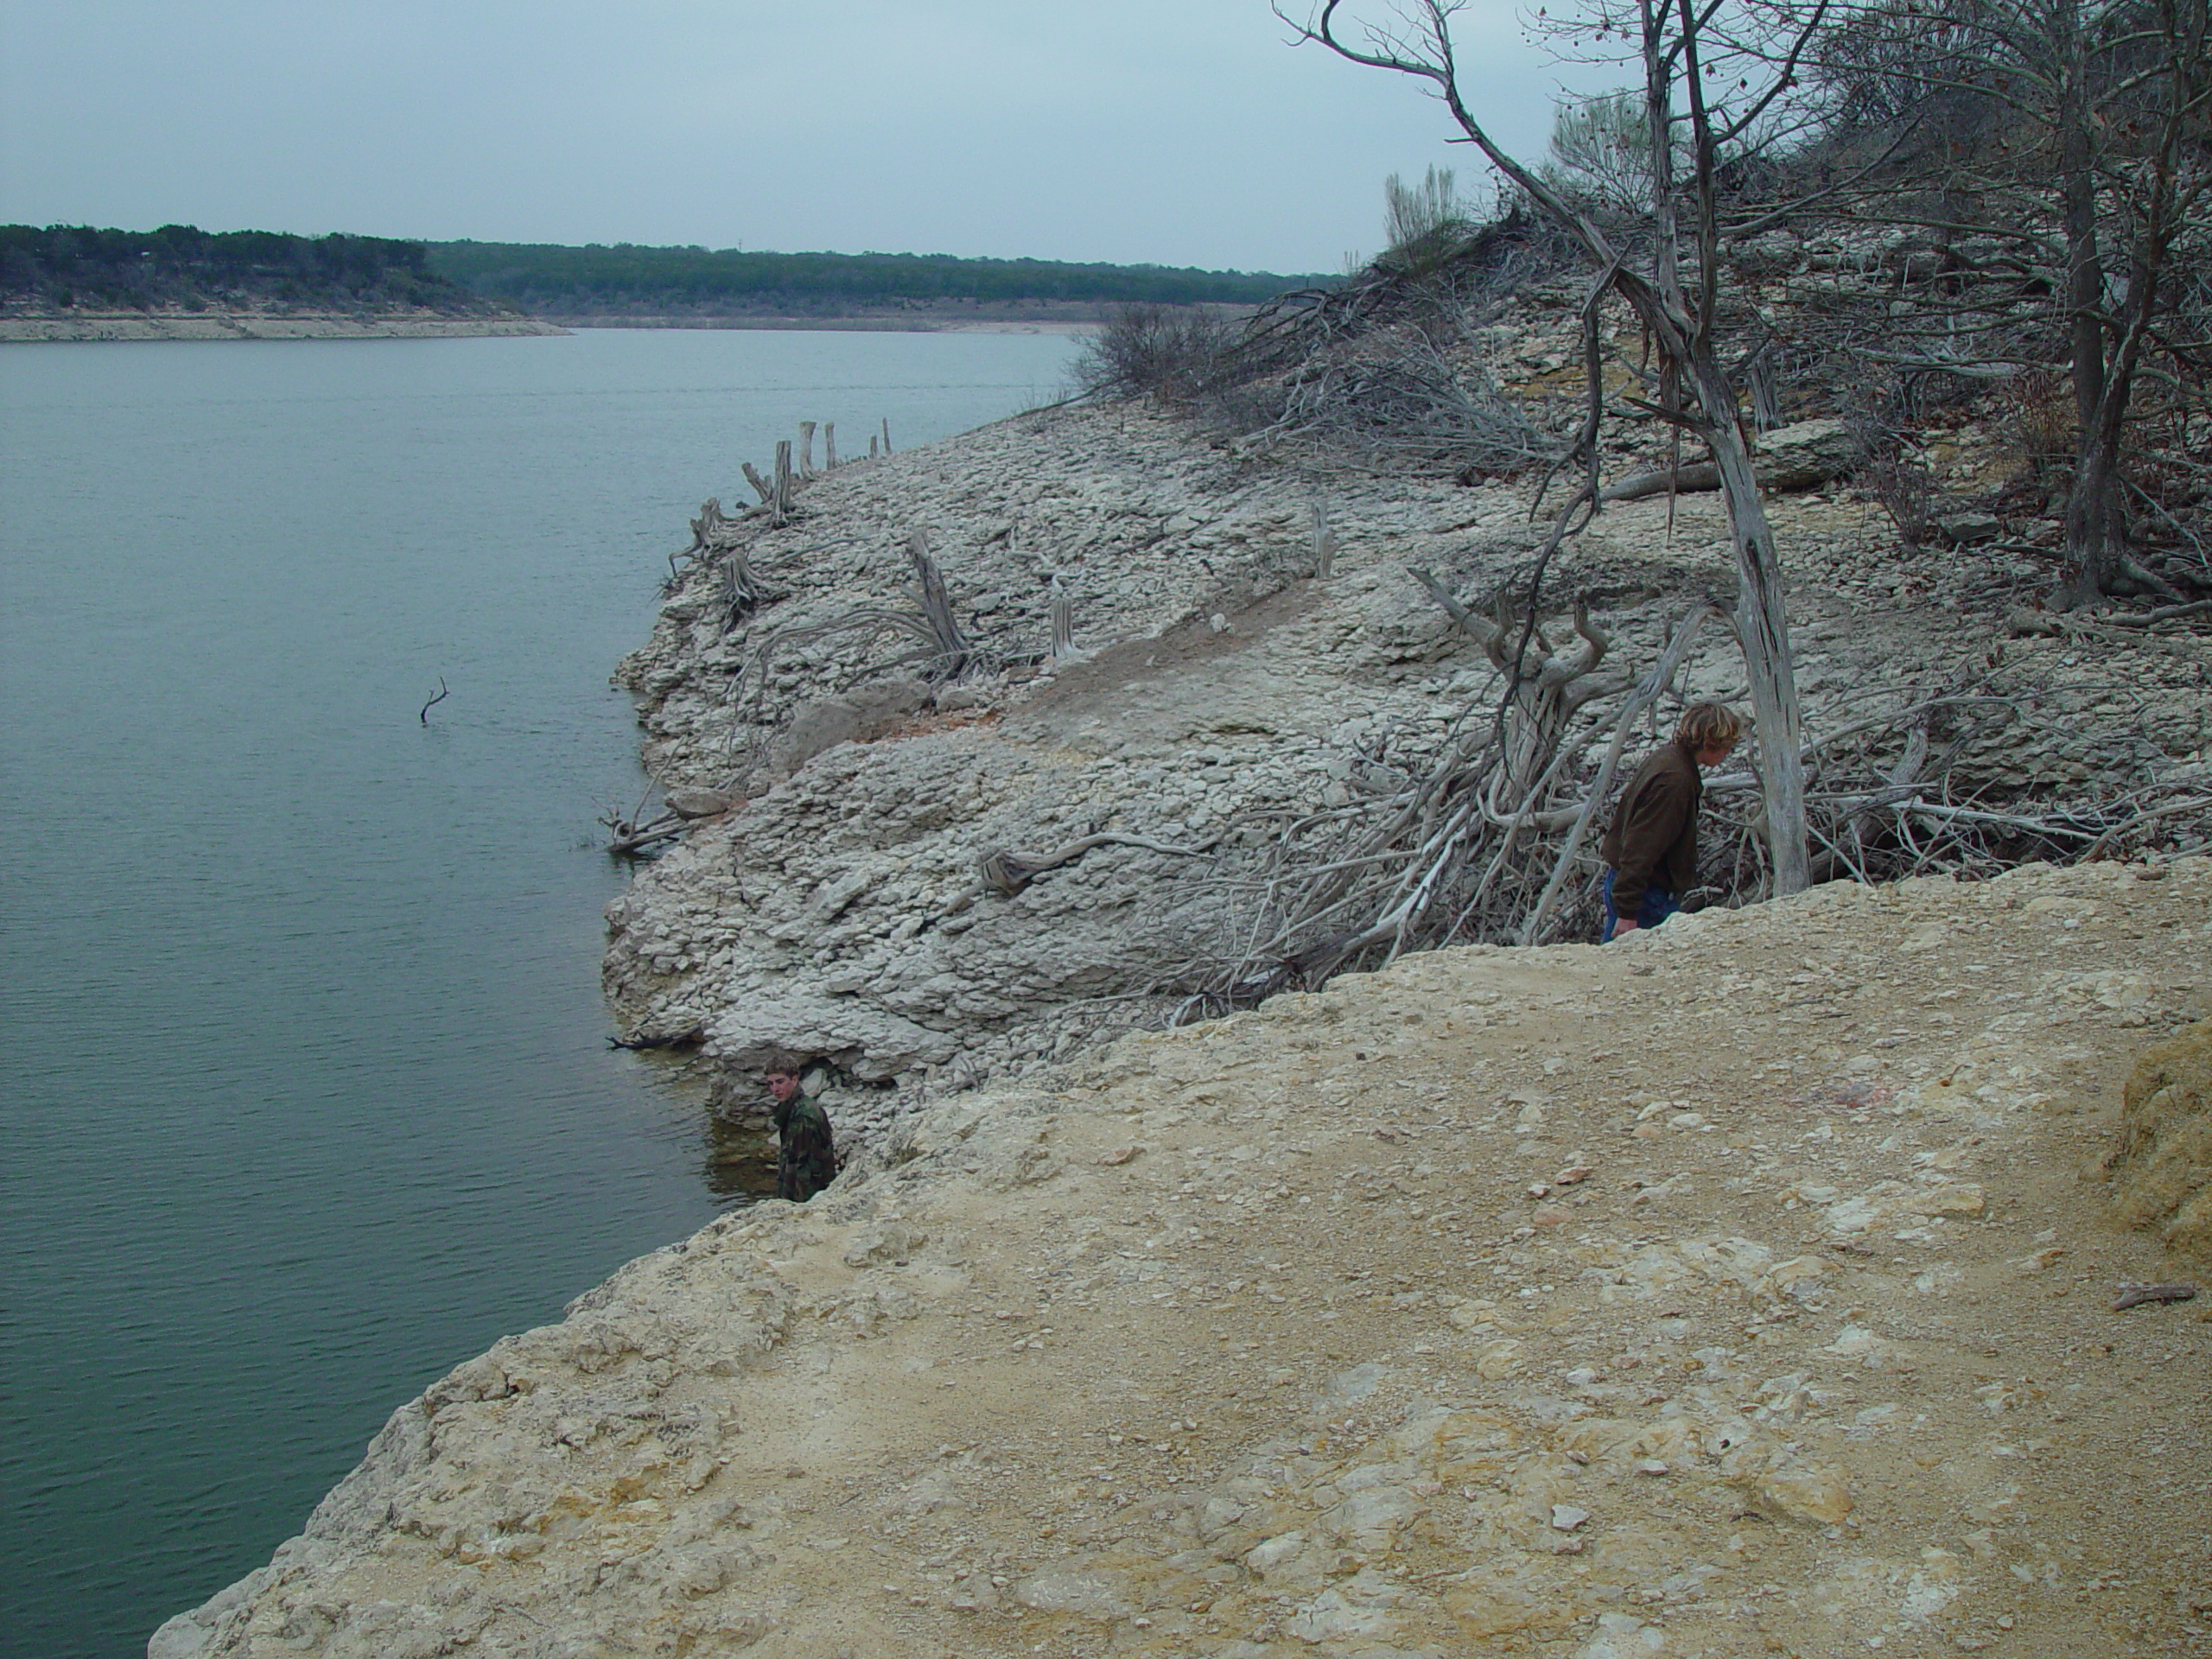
(1904, 488)
(1169, 352)
(2035, 419)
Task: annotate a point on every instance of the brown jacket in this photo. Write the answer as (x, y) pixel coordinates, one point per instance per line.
(1653, 841)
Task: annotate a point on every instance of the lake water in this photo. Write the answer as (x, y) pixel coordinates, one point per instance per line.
(306, 1090)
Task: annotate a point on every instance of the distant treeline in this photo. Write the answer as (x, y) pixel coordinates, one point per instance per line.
(597, 280)
(178, 267)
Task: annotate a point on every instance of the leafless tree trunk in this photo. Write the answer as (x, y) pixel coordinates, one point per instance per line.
(2108, 341)
(1693, 389)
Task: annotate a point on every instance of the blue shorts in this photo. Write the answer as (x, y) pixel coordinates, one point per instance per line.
(1658, 905)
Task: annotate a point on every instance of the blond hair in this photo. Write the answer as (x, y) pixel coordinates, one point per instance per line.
(782, 1063)
(1709, 726)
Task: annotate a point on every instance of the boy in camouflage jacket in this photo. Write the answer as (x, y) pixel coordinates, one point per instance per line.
(806, 1155)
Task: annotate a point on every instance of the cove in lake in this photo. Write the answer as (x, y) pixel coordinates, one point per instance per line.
(307, 1093)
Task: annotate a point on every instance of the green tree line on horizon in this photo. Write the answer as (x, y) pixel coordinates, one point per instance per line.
(69, 266)
(559, 281)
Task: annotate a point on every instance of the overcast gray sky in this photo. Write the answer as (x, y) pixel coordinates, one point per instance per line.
(1170, 131)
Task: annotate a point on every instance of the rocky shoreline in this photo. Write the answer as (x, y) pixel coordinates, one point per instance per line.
(1743, 1289)
(82, 325)
(1747, 1289)
(1215, 677)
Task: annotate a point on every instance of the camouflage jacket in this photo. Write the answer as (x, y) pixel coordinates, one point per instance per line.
(806, 1161)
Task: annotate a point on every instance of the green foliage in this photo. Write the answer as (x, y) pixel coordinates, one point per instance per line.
(626, 279)
(1423, 225)
(64, 265)
(1415, 213)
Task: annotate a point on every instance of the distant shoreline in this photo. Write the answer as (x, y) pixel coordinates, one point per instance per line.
(97, 325)
(912, 323)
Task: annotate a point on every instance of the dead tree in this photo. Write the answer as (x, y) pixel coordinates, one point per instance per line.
(1677, 299)
(941, 649)
(1544, 687)
(2062, 186)
(1453, 852)
(718, 539)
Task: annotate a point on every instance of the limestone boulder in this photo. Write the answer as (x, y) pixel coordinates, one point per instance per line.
(1807, 454)
(699, 802)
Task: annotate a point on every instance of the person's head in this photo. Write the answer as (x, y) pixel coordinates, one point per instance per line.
(1709, 731)
(782, 1069)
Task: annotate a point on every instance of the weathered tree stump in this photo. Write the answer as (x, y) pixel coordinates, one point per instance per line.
(1325, 543)
(780, 504)
(1063, 619)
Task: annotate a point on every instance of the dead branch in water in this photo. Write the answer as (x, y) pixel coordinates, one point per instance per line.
(691, 1036)
(632, 838)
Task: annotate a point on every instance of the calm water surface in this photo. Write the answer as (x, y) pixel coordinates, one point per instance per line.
(305, 1087)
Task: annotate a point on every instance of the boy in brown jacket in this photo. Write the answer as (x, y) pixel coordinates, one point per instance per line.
(1651, 849)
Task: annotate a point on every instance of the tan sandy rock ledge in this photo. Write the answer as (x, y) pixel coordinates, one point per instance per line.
(213, 325)
(1745, 1288)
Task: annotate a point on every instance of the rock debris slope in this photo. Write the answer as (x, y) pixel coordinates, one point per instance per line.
(1743, 1290)
(829, 911)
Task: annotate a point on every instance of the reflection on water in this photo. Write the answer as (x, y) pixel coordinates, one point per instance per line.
(306, 1092)
(741, 1161)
